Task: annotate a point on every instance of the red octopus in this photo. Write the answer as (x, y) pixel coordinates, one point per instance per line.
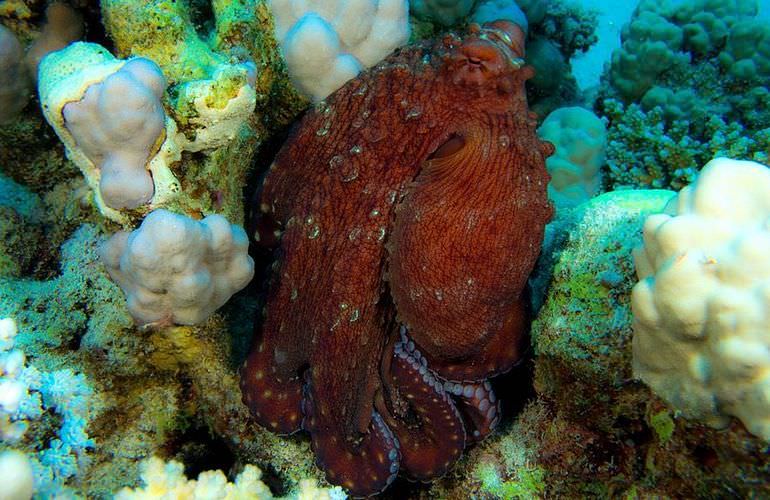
(408, 211)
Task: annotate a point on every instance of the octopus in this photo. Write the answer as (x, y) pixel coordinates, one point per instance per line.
(405, 213)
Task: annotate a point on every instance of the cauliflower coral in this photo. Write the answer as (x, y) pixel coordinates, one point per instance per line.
(702, 306)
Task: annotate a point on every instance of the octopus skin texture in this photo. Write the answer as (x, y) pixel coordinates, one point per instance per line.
(406, 212)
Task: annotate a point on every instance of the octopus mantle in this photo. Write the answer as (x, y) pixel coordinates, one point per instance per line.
(407, 211)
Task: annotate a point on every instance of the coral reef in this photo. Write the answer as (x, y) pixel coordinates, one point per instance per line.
(340, 184)
(643, 149)
(172, 111)
(686, 85)
(167, 480)
(592, 430)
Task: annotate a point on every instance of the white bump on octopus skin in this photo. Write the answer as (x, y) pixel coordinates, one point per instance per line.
(259, 375)
(267, 394)
(261, 348)
(274, 425)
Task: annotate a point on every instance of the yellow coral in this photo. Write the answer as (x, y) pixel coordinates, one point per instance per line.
(166, 480)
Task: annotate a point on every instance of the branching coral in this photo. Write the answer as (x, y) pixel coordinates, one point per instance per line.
(27, 395)
(167, 480)
(686, 85)
(643, 150)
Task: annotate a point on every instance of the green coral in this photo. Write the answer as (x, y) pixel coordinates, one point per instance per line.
(645, 150)
(529, 483)
(687, 85)
(187, 49)
(663, 425)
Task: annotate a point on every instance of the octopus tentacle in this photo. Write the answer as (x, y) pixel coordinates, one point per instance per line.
(499, 353)
(364, 467)
(274, 402)
(478, 405)
(424, 418)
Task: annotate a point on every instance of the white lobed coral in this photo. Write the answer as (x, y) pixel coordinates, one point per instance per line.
(16, 471)
(26, 397)
(326, 43)
(16, 402)
(174, 268)
(110, 138)
(702, 306)
(166, 481)
(580, 138)
(118, 123)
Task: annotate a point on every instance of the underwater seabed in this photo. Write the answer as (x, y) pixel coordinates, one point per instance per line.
(135, 253)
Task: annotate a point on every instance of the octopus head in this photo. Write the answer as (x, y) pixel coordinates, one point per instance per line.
(490, 57)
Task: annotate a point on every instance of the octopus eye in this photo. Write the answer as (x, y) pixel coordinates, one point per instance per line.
(449, 147)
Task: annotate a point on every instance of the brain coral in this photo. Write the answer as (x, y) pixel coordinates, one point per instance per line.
(702, 306)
